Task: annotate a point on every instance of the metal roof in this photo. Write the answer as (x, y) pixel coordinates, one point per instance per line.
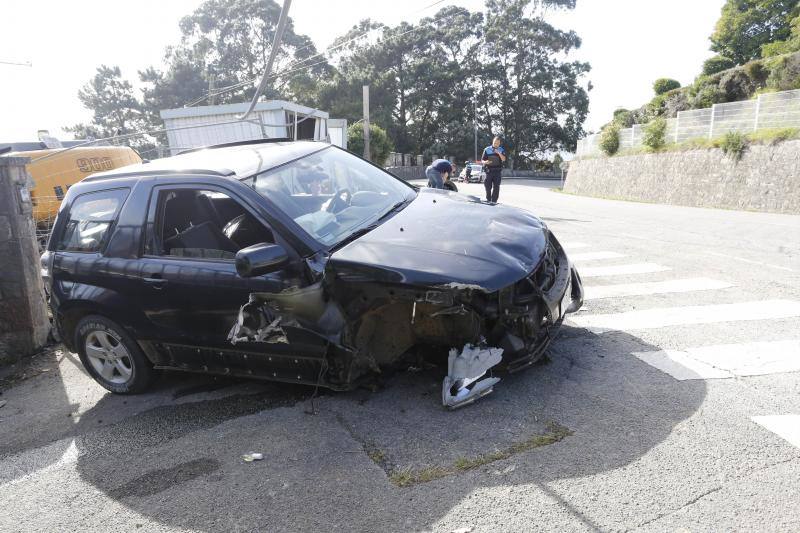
(228, 109)
(242, 160)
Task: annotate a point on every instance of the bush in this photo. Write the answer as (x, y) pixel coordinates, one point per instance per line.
(623, 118)
(736, 85)
(663, 85)
(655, 134)
(755, 71)
(717, 64)
(707, 96)
(379, 142)
(774, 136)
(609, 139)
(784, 73)
(734, 144)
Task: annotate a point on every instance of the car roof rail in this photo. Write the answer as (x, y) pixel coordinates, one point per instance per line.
(237, 143)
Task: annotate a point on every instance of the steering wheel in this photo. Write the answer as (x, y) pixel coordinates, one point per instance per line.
(342, 197)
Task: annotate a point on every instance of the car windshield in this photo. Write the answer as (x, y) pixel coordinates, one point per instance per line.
(332, 194)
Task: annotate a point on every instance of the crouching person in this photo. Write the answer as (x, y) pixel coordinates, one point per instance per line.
(438, 172)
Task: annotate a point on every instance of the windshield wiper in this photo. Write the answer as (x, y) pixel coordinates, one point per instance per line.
(394, 208)
(366, 229)
(353, 236)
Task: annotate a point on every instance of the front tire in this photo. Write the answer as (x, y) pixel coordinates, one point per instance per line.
(111, 356)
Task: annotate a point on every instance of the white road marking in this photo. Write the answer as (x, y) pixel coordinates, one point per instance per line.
(696, 314)
(743, 260)
(727, 360)
(752, 358)
(680, 366)
(786, 427)
(574, 245)
(621, 270)
(594, 256)
(594, 292)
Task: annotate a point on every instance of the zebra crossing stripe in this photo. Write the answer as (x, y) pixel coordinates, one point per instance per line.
(786, 427)
(727, 360)
(594, 256)
(621, 270)
(594, 292)
(688, 315)
(574, 245)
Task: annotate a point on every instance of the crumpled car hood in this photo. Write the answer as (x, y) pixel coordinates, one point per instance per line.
(443, 238)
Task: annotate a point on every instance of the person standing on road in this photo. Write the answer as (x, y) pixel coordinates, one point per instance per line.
(437, 172)
(493, 158)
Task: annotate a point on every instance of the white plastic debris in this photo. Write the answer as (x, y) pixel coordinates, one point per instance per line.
(252, 456)
(463, 384)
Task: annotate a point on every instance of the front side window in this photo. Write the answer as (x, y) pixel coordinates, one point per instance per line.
(332, 194)
(90, 219)
(202, 224)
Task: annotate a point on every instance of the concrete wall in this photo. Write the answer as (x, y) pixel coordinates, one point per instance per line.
(23, 315)
(767, 178)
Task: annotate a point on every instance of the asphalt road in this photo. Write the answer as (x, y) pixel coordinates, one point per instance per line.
(671, 401)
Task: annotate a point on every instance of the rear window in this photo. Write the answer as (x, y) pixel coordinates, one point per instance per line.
(90, 219)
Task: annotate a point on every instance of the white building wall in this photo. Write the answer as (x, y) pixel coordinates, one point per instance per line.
(210, 125)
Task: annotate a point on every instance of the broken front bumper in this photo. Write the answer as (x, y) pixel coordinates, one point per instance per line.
(532, 310)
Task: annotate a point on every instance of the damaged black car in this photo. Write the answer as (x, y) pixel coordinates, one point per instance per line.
(298, 262)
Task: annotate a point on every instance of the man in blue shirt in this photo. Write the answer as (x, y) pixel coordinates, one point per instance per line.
(437, 172)
(493, 158)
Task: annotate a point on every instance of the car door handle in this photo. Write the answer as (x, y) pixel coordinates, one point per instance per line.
(156, 283)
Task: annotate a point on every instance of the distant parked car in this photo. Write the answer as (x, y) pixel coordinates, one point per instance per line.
(296, 262)
(476, 175)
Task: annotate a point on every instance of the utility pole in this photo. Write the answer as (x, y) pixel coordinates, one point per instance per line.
(211, 87)
(366, 121)
(475, 128)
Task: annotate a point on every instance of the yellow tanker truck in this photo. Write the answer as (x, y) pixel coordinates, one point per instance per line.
(55, 170)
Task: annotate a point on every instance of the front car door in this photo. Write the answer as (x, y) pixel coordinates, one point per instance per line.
(191, 293)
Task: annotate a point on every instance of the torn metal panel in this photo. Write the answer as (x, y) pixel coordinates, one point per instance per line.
(256, 323)
(465, 382)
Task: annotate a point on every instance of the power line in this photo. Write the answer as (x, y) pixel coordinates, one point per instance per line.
(223, 90)
(24, 64)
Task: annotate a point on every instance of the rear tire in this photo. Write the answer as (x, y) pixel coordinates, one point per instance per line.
(111, 356)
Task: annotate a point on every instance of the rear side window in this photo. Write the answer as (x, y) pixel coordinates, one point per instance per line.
(90, 218)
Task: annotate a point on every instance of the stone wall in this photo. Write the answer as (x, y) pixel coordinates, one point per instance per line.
(23, 315)
(767, 178)
(416, 172)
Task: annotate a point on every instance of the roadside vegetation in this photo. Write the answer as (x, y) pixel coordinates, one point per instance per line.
(758, 51)
(734, 144)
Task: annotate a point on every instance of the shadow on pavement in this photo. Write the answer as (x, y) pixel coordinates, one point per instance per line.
(181, 465)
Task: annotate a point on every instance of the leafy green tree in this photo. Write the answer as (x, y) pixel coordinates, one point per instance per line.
(225, 43)
(379, 143)
(527, 91)
(747, 25)
(115, 109)
(792, 44)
